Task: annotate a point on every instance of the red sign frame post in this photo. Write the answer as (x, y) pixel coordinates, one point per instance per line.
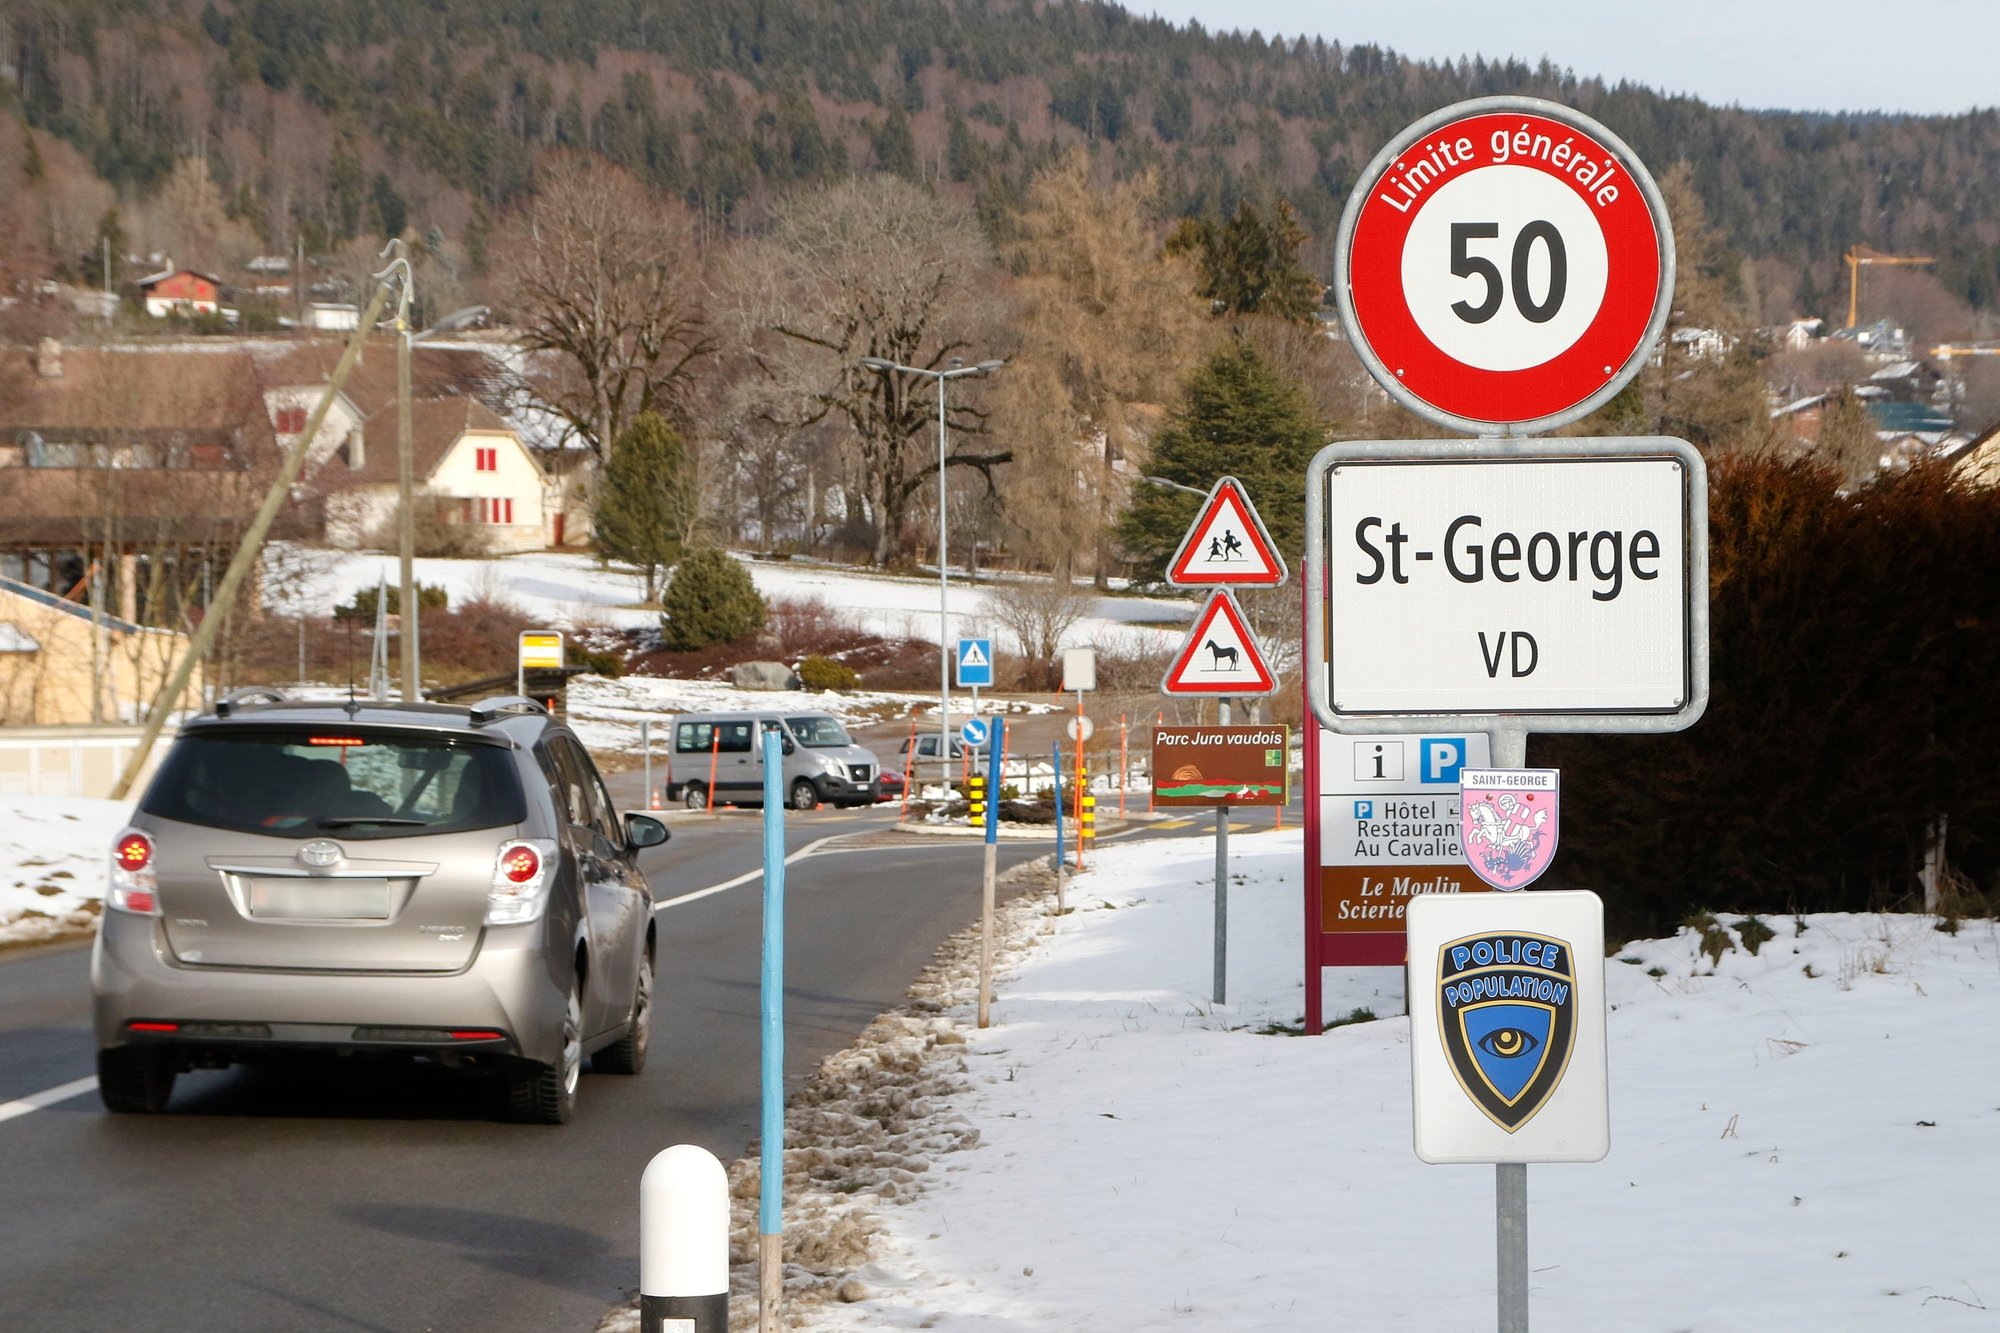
(1504, 266)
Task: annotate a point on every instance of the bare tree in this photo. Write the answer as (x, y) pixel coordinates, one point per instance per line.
(607, 279)
(875, 268)
(1038, 612)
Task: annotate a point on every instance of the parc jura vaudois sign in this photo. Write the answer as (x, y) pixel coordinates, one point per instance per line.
(1209, 766)
(1504, 265)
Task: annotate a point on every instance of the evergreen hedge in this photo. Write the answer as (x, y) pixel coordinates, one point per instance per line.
(1855, 644)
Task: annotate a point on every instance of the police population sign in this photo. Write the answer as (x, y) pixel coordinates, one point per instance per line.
(1504, 265)
(1507, 1031)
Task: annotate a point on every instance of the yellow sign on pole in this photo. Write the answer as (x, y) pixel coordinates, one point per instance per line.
(541, 649)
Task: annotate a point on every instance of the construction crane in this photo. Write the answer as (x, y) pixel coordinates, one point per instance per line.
(1858, 255)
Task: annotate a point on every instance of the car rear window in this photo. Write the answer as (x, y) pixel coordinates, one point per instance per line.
(357, 783)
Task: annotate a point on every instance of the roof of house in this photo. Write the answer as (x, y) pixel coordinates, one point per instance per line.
(1908, 418)
(151, 279)
(48, 599)
(435, 372)
(104, 390)
(436, 424)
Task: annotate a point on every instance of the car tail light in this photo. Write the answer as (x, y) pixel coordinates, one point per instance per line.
(523, 870)
(134, 887)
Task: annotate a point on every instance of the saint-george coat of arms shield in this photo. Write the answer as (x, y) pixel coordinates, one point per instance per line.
(1509, 823)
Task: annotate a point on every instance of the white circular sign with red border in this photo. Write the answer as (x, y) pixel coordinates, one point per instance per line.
(1504, 266)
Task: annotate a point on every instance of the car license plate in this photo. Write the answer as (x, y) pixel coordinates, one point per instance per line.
(320, 899)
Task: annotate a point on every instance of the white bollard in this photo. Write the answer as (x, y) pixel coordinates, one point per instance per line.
(684, 1243)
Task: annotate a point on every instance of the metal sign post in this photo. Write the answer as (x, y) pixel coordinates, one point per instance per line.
(1504, 266)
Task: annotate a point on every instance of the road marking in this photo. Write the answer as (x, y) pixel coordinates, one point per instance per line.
(746, 877)
(1173, 823)
(75, 1088)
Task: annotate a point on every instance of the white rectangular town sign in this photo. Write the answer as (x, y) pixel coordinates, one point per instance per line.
(1491, 577)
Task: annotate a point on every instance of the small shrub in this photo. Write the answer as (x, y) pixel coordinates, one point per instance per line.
(823, 673)
(430, 597)
(609, 665)
(1715, 940)
(1754, 933)
(711, 600)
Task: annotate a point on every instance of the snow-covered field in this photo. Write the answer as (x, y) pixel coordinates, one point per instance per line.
(575, 592)
(55, 854)
(1799, 1137)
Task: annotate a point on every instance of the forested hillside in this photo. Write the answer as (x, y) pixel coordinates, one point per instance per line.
(319, 121)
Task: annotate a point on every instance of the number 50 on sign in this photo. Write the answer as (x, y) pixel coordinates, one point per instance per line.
(1504, 265)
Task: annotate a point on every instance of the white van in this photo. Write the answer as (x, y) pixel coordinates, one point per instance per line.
(822, 762)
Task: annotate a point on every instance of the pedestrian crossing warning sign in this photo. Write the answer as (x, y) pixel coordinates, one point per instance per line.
(975, 663)
(1220, 655)
(1227, 546)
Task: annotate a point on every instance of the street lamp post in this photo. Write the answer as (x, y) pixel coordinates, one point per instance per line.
(406, 487)
(958, 369)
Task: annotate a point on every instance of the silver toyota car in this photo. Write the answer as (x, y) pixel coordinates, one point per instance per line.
(369, 878)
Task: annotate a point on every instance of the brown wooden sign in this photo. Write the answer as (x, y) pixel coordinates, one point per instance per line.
(1211, 766)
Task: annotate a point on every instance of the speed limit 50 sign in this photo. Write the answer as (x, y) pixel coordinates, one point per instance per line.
(1504, 266)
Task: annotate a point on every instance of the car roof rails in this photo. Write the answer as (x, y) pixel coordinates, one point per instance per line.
(504, 705)
(249, 694)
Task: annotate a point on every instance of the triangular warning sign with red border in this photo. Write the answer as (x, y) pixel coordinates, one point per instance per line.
(1220, 655)
(1226, 545)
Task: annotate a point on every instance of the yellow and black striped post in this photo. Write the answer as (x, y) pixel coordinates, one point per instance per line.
(1087, 820)
(975, 795)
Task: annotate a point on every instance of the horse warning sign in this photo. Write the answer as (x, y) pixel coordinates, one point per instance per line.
(1220, 655)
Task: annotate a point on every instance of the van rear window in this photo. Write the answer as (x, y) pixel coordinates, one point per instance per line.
(356, 783)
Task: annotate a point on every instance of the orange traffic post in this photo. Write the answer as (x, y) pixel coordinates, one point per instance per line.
(909, 768)
(1152, 778)
(714, 753)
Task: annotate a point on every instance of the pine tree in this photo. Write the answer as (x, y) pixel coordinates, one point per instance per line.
(711, 600)
(1241, 418)
(648, 503)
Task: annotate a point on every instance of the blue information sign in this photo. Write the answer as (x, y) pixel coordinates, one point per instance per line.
(975, 663)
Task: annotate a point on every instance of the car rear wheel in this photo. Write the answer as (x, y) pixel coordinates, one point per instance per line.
(628, 1054)
(695, 795)
(133, 1081)
(803, 796)
(546, 1094)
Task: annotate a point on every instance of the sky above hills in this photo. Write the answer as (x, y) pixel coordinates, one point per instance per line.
(1925, 56)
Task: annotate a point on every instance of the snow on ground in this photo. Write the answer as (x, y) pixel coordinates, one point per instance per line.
(55, 853)
(1795, 1137)
(572, 590)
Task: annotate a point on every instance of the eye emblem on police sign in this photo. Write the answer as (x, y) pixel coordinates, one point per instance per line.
(1507, 1011)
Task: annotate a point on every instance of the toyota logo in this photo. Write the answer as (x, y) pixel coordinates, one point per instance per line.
(319, 852)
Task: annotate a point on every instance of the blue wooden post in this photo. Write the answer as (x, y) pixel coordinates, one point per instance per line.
(771, 1184)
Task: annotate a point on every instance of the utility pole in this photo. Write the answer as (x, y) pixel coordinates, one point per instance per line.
(246, 555)
(406, 486)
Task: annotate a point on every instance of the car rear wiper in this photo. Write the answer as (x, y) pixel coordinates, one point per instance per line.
(384, 820)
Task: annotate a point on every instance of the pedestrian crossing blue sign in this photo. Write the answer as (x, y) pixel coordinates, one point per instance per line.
(975, 663)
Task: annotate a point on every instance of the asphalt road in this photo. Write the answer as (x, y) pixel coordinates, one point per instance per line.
(393, 1198)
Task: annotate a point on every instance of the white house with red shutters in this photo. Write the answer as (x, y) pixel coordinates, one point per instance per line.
(466, 461)
(183, 291)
